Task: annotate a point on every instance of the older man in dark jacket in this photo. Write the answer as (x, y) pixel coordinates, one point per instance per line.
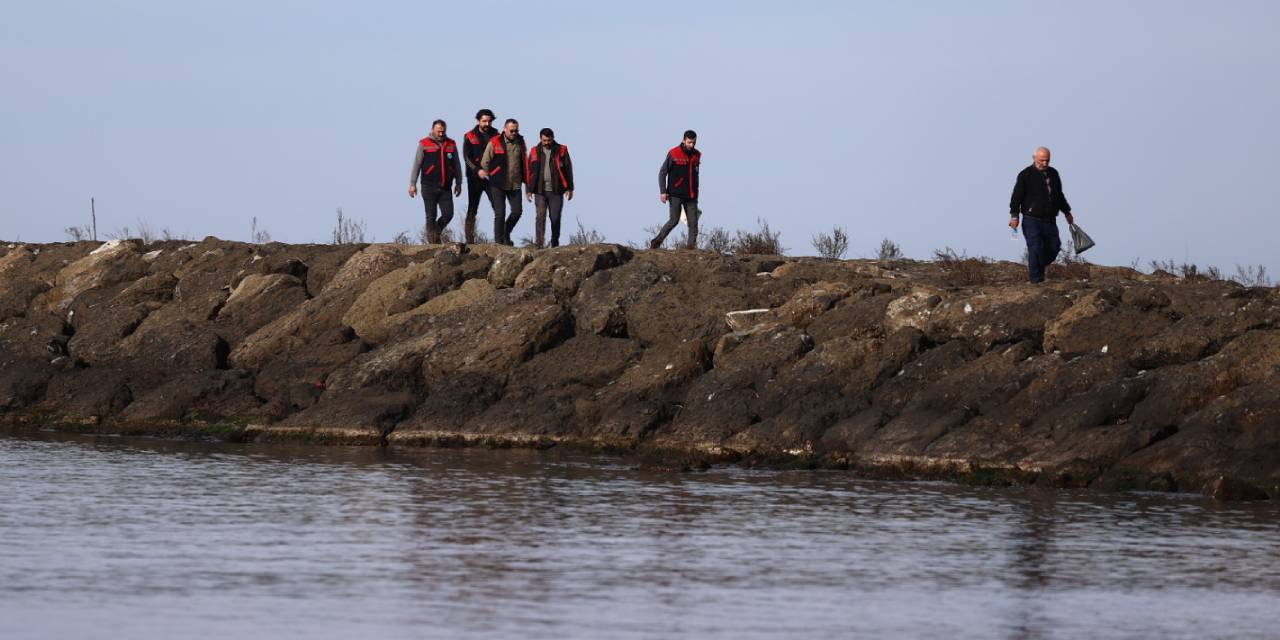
(1037, 197)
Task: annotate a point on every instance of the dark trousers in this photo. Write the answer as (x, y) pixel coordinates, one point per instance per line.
(544, 203)
(1043, 245)
(476, 188)
(502, 223)
(674, 205)
(433, 199)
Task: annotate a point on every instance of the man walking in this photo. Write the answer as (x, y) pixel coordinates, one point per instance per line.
(473, 144)
(1038, 197)
(436, 166)
(503, 167)
(678, 183)
(549, 176)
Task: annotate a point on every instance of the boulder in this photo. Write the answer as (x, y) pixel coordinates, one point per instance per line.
(113, 262)
(563, 269)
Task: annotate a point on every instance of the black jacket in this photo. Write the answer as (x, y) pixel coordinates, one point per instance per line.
(473, 147)
(1032, 198)
(678, 175)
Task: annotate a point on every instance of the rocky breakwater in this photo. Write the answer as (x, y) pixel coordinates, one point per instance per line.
(1103, 377)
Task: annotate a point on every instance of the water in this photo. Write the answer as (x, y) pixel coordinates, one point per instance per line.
(116, 538)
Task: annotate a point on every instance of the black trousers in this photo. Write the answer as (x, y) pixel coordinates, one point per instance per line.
(434, 199)
(476, 188)
(502, 223)
(1043, 245)
(674, 205)
(548, 202)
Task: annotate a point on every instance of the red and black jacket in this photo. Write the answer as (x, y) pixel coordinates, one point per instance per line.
(498, 164)
(681, 170)
(439, 162)
(473, 143)
(562, 171)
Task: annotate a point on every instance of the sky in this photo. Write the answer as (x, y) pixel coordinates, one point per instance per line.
(900, 120)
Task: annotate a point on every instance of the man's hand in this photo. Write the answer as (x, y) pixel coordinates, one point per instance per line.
(457, 190)
(528, 197)
(568, 195)
(484, 175)
(413, 190)
(663, 198)
(1013, 223)
(1070, 218)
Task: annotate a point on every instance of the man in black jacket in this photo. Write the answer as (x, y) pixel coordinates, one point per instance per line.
(503, 166)
(549, 176)
(678, 187)
(473, 144)
(1037, 197)
(436, 167)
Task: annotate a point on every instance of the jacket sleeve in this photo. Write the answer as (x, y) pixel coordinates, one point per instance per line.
(486, 157)
(1019, 191)
(1062, 203)
(417, 167)
(457, 170)
(568, 170)
(662, 174)
(467, 150)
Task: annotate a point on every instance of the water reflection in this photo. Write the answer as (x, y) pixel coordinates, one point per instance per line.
(131, 538)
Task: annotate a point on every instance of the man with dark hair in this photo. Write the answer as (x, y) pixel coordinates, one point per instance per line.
(473, 144)
(1038, 197)
(549, 176)
(503, 166)
(436, 166)
(678, 184)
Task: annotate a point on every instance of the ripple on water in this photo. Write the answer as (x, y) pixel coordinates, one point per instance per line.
(110, 537)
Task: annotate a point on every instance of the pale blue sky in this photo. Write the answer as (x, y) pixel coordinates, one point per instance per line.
(900, 120)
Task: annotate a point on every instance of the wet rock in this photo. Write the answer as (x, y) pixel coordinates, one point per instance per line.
(1233, 490)
(544, 397)
(726, 399)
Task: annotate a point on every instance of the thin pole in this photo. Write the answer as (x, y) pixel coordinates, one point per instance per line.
(93, 211)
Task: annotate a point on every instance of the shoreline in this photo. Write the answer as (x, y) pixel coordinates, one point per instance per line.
(954, 369)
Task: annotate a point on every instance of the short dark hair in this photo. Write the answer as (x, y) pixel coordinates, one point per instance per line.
(510, 121)
(546, 131)
(691, 134)
(440, 122)
(484, 112)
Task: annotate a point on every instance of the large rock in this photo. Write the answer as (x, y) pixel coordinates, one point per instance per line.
(1099, 321)
(544, 397)
(114, 262)
(364, 266)
(399, 296)
(456, 363)
(1006, 315)
(257, 300)
(727, 399)
(18, 284)
(507, 265)
(564, 268)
